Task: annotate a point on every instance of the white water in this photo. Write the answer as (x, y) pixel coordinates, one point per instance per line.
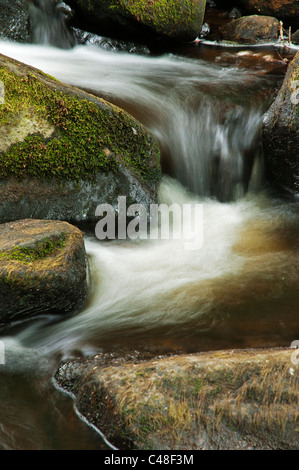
(139, 288)
(182, 101)
(239, 290)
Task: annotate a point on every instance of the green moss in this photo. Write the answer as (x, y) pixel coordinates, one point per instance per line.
(88, 138)
(38, 251)
(164, 13)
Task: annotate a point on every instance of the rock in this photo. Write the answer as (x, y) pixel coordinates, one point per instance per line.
(295, 37)
(251, 30)
(14, 20)
(140, 20)
(83, 37)
(285, 10)
(281, 134)
(64, 151)
(224, 400)
(43, 269)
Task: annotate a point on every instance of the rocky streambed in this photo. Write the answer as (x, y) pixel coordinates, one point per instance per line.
(64, 151)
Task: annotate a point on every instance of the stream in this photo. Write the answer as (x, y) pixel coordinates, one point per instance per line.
(205, 104)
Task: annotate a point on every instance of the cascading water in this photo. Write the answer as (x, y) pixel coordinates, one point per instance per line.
(241, 288)
(48, 24)
(207, 135)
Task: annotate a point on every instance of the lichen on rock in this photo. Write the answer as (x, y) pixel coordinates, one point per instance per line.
(221, 400)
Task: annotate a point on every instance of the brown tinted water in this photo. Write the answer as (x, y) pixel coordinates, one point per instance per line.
(240, 290)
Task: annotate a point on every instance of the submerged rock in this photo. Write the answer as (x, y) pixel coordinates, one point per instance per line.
(224, 400)
(64, 151)
(43, 269)
(140, 19)
(251, 30)
(281, 134)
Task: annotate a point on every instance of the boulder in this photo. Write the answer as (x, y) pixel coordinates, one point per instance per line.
(223, 400)
(251, 30)
(140, 19)
(281, 134)
(43, 269)
(64, 151)
(285, 10)
(295, 37)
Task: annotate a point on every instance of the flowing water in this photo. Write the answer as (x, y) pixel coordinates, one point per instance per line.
(205, 104)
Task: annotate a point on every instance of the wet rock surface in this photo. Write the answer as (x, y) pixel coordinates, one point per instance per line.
(143, 20)
(281, 135)
(251, 30)
(295, 37)
(224, 400)
(43, 268)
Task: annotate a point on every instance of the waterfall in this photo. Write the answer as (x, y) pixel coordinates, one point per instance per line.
(207, 118)
(209, 136)
(239, 290)
(48, 24)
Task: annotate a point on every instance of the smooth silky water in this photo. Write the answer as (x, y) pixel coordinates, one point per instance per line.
(205, 105)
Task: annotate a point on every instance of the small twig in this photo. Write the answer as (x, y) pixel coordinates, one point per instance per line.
(281, 31)
(285, 60)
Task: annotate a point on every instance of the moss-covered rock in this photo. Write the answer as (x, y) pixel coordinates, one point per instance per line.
(224, 400)
(43, 269)
(169, 19)
(56, 136)
(281, 134)
(253, 29)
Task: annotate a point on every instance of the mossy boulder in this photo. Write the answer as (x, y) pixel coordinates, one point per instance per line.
(64, 151)
(43, 269)
(281, 134)
(141, 19)
(253, 29)
(224, 400)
